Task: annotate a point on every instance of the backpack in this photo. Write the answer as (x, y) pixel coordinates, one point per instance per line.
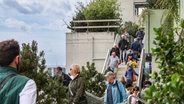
(134, 77)
(121, 97)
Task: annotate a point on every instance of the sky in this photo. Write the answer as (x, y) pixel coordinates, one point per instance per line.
(39, 20)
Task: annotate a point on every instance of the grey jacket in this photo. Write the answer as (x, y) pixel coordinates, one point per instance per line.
(76, 90)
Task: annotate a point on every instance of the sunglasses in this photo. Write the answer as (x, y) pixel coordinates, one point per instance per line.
(70, 69)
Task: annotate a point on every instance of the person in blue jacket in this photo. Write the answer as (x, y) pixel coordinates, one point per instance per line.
(115, 92)
(129, 73)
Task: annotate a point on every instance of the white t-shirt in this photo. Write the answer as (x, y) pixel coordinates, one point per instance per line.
(28, 94)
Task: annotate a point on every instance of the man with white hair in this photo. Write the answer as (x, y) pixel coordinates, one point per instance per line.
(123, 45)
(115, 92)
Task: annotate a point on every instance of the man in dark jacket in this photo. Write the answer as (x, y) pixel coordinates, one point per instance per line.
(140, 34)
(116, 50)
(136, 48)
(64, 78)
(123, 45)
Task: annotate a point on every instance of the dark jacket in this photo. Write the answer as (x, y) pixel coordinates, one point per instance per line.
(76, 90)
(131, 54)
(136, 46)
(129, 73)
(123, 44)
(115, 50)
(64, 78)
(140, 34)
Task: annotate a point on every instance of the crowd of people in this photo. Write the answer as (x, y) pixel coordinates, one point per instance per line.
(24, 88)
(128, 53)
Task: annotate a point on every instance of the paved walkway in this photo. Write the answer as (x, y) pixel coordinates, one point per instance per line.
(122, 70)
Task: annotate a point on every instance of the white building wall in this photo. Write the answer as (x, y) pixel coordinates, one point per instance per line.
(182, 9)
(127, 9)
(89, 46)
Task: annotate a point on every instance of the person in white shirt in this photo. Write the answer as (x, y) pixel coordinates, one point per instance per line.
(14, 88)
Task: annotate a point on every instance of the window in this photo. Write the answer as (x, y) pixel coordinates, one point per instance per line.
(138, 7)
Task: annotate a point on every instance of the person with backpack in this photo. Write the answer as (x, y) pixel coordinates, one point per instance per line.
(14, 88)
(129, 74)
(115, 92)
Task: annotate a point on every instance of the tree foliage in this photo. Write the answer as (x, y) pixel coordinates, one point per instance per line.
(94, 81)
(152, 4)
(168, 83)
(131, 27)
(171, 5)
(32, 64)
(97, 10)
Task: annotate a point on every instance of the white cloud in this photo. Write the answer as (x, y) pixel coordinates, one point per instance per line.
(24, 8)
(40, 20)
(54, 11)
(43, 7)
(16, 24)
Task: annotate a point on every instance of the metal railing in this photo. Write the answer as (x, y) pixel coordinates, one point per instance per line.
(108, 26)
(139, 99)
(106, 62)
(141, 66)
(116, 41)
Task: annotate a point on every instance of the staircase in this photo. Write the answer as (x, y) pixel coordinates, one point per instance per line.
(122, 68)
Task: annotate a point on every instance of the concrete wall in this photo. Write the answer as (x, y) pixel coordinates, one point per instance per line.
(127, 10)
(151, 22)
(84, 47)
(182, 9)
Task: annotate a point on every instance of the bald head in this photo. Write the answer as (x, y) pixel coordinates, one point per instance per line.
(123, 36)
(114, 54)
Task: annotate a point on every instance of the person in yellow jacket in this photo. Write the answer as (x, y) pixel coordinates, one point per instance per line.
(131, 60)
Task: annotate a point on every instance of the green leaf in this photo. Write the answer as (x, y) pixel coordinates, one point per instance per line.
(182, 23)
(174, 77)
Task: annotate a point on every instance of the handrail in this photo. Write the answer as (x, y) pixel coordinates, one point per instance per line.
(139, 81)
(104, 20)
(116, 41)
(129, 99)
(94, 27)
(88, 25)
(141, 66)
(106, 62)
